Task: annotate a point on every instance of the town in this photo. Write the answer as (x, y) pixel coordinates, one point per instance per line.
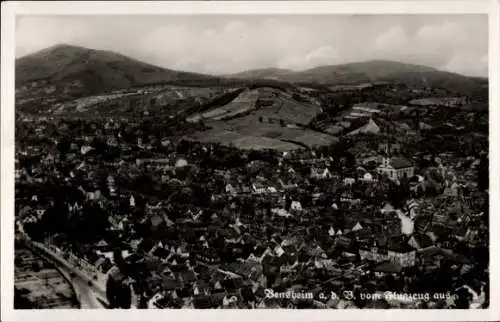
(398, 202)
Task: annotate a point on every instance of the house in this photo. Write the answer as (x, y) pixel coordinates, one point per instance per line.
(272, 189)
(400, 252)
(407, 223)
(451, 190)
(112, 141)
(348, 197)
(396, 168)
(420, 241)
(208, 256)
(349, 181)
(157, 223)
(435, 256)
(388, 208)
(320, 174)
(296, 205)
(389, 148)
(258, 188)
(412, 207)
(438, 232)
(187, 276)
(288, 185)
(357, 227)
(369, 127)
(387, 267)
(316, 251)
(85, 149)
(281, 212)
(181, 163)
(374, 253)
(471, 236)
(367, 177)
(230, 189)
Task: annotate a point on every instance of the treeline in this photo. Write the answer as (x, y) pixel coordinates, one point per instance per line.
(216, 102)
(118, 293)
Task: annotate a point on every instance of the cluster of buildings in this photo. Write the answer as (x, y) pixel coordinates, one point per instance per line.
(200, 225)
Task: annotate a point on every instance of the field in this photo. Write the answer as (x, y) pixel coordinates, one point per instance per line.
(266, 103)
(444, 101)
(262, 136)
(140, 99)
(263, 118)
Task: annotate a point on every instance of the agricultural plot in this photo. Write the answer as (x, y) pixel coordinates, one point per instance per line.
(439, 101)
(242, 103)
(282, 107)
(312, 138)
(262, 136)
(252, 142)
(216, 135)
(271, 125)
(334, 129)
(289, 111)
(175, 93)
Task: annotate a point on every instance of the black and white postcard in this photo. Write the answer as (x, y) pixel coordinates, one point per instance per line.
(249, 160)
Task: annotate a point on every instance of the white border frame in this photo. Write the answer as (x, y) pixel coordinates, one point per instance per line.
(10, 9)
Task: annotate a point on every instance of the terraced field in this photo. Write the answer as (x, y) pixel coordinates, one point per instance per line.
(263, 118)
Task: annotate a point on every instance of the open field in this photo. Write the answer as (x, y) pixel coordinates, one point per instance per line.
(262, 136)
(265, 103)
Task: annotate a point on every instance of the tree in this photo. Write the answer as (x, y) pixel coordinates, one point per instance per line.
(483, 173)
(63, 146)
(111, 292)
(124, 296)
(463, 298)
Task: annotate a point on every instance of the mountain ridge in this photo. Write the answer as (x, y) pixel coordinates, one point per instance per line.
(101, 70)
(95, 68)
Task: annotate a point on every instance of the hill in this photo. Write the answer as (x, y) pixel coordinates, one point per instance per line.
(266, 73)
(262, 117)
(377, 71)
(93, 71)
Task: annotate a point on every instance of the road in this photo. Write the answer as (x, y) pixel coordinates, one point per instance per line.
(86, 295)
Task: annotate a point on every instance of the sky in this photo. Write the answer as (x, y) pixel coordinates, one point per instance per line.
(226, 44)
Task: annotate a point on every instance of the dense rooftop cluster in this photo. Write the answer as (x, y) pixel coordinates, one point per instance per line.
(176, 223)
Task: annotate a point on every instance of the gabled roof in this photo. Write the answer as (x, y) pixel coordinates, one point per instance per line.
(398, 244)
(188, 276)
(388, 267)
(290, 249)
(258, 251)
(102, 243)
(440, 230)
(156, 220)
(422, 240)
(387, 207)
(170, 284)
(231, 284)
(357, 227)
(203, 302)
(400, 163)
(247, 294)
(217, 298)
(99, 261)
